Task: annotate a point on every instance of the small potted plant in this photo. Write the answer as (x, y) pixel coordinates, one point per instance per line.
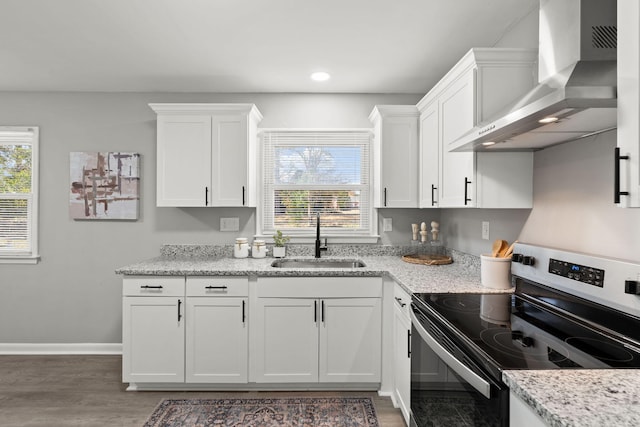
(280, 240)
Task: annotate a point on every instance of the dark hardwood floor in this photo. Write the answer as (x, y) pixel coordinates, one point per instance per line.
(69, 391)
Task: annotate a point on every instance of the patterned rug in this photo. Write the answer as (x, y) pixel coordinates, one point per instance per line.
(289, 412)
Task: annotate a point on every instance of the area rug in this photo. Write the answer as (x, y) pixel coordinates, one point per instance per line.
(287, 412)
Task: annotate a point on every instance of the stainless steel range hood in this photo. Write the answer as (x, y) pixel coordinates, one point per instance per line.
(578, 83)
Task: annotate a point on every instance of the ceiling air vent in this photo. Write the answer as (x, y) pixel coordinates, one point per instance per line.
(604, 37)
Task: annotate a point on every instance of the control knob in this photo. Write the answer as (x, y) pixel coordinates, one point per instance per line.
(517, 258)
(528, 260)
(632, 287)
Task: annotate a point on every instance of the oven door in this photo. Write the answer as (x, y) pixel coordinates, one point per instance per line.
(447, 386)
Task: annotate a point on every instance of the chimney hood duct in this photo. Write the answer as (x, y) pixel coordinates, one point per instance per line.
(577, 83)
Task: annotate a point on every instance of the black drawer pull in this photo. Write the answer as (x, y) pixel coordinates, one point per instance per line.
(433, 199)
(243, 311)
(151, 287)
(616, 177)
(215, 287)
(179, 313)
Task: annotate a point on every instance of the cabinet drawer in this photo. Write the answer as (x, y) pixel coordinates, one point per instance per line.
(153, 286)
(217, 286)
(401, 299)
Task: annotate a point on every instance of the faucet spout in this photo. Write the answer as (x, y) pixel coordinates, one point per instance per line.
(319, 247)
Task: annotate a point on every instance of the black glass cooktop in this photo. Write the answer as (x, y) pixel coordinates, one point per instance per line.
(534, 329)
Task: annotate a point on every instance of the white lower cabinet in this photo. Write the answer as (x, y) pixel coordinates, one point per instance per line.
(317, 329)
(216, 345)
(174, 333)
(402, 351)
(153, 330)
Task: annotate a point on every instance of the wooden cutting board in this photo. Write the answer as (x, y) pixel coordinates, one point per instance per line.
(426, 259)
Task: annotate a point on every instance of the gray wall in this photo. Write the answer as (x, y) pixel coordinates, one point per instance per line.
(73, 295)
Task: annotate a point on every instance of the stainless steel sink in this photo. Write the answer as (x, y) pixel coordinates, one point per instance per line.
(317, 263)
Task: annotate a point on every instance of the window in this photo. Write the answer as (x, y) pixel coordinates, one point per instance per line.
(18, 194)
(311, 172)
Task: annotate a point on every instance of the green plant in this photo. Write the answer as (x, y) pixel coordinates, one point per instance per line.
(280, 239)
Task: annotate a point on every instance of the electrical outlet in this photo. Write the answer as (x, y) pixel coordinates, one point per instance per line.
(229, 224)
(387, 224)
(485, 230)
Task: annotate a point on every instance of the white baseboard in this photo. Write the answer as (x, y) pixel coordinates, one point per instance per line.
(53, 348)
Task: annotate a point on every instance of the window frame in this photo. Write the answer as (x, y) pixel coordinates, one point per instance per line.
(32, 256)
(308, 236)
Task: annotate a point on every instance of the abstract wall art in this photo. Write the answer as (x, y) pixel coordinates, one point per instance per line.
(104, 185)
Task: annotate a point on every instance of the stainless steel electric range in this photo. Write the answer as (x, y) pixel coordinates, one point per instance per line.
(568, 310)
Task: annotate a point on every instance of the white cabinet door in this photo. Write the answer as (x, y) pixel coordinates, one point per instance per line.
(396, 156)
(402, 360)
(350, 340)
(216, 340)
(629, 103)
(229, 160)
(286, 340)
(153, 339)
(429, 155)
(457, 116)
(184, 160)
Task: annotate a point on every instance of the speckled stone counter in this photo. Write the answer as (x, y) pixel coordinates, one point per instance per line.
(584, 398)
(462, 276)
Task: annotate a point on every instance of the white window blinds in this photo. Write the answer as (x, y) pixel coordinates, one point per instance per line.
(310, 172)
(18, 192)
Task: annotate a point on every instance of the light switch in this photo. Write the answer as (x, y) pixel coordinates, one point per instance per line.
(229, 224)
(387, 224)
(485, 230)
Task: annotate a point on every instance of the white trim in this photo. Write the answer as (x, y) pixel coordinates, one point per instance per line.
(60, 348)
(8, 259)
(347, 239)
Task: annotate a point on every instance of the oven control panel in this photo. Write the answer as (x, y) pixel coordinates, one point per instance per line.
(581, 273)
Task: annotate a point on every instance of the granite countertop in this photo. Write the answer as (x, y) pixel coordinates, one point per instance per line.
(462, 276)
(582, 397)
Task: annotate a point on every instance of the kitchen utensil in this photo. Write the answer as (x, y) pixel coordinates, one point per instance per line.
(498, 246)
(509, 250)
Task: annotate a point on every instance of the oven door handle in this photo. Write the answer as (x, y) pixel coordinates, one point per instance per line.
(471, 377)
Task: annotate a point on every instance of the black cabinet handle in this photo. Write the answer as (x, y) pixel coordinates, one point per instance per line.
(616, 177)
(206, 196)
(151, 287)
(408, 342)
(244, 317)
(243, 193)
(215, 287)
(433, 199)
(322, 312)
(400, 302)
(179, 311)
(385, 196)
(466, 185)
(315, 311)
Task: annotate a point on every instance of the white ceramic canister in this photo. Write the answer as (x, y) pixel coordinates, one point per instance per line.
(241, 248)
(259, 249)
(495, 272)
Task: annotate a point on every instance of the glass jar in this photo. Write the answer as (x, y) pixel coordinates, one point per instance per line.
(241, 248)
(259, 249)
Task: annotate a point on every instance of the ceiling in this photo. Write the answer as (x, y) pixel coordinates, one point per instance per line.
(368, 46)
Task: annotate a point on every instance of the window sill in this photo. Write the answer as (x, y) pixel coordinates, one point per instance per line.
(330, 239)
(19, 259)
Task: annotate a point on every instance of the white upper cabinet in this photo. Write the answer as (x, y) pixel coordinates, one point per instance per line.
(627, 181)
(482, 83)
(395, 156)
(206, 154)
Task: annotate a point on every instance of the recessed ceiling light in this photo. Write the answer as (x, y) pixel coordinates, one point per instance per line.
(320, 76)
(488, 143)
(546, 120)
